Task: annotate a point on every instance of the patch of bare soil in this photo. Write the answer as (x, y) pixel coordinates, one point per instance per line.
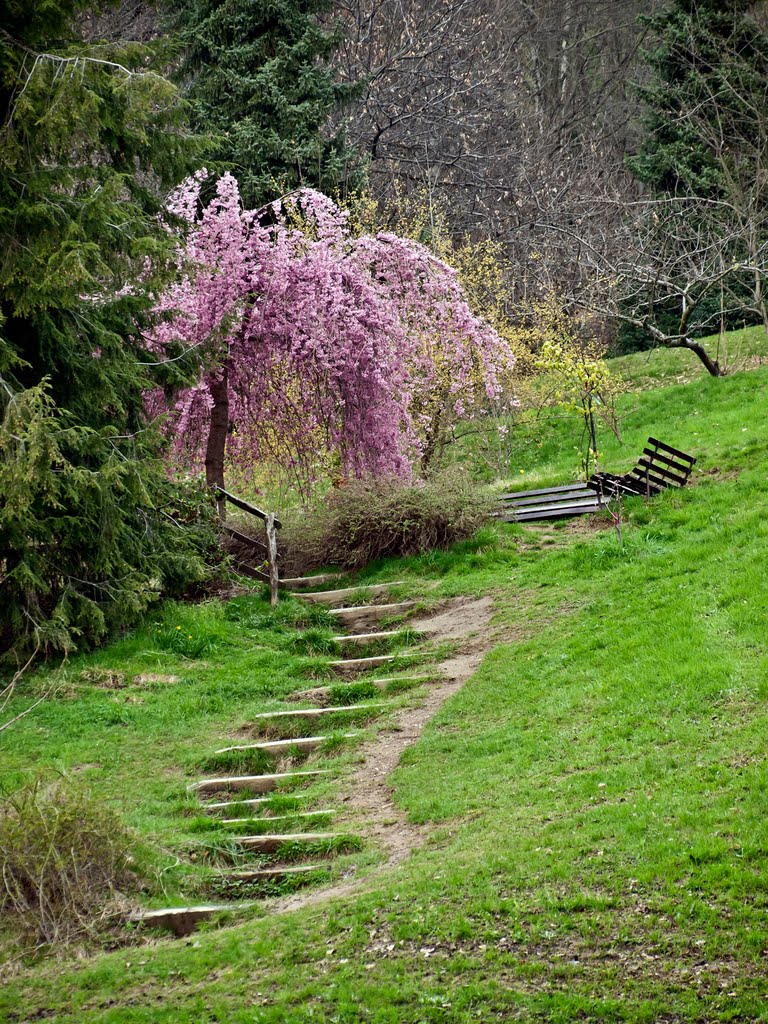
(719, 474)
(104, 678)
(367, 800)
(597, 523)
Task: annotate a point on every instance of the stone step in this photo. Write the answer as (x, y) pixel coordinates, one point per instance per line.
(351, 666)
(270, 842)
(358, 617)
(271, 874)
(255, 783)
(302, 743)
(318, 693)
(297, 582)
(364, 639)
(278, 817)
(282, 716)
(183, 920)
(338, 598)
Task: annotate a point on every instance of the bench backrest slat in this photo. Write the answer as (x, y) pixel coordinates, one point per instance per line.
(660, 472)
(658, 457)
(655, 443)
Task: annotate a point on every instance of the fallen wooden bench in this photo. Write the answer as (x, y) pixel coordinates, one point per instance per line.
(659, 466)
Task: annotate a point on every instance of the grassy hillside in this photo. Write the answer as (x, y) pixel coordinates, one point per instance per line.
(597, 793)
(736, 351)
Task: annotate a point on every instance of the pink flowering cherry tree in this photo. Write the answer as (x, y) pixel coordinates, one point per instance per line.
(316, 342)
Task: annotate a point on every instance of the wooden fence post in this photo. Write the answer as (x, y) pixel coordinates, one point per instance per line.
(274, 579)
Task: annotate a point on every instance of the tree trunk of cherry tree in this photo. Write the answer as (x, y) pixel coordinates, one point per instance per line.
(217, 433)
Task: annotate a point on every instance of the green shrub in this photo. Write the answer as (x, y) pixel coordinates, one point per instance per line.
(371, 519)
(64, 863)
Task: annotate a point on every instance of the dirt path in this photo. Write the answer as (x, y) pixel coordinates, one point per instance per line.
(367, 798)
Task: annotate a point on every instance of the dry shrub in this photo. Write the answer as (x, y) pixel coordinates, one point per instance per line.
(64, 863)
(366, 520)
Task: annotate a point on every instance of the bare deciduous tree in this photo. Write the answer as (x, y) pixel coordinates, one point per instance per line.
(509, 113)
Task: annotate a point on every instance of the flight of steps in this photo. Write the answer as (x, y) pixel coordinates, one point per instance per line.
(292, 845)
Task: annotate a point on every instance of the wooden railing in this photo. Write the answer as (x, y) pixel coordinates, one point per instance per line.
(272, 525)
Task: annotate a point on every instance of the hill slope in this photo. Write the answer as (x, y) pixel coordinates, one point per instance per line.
(597, 793)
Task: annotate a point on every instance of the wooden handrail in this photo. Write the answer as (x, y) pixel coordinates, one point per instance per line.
(246, 506)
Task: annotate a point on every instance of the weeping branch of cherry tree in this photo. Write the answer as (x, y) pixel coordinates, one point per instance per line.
(323, 346)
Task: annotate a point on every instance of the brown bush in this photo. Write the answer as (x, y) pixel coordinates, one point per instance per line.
(367, 520)
(64, 863)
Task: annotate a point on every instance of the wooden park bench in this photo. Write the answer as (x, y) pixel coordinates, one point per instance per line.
(660, 466)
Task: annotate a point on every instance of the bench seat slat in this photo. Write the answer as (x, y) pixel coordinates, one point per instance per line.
(581, 492)
(544, 506)
(561, 511)
(631, 485)
(544, 490)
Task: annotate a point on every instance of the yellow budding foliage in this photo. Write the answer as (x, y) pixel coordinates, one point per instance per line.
(484, 278)
(572, 373)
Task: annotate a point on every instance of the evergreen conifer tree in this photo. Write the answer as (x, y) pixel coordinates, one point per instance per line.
(90, 136)
(259, 79)
(708, 68)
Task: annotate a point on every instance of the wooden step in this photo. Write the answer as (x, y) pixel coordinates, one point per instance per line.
(352, 666)
(297, 582)
(360, 616)
(338, 598)
(278, 817)
(255, 783)
(271, 874)
(365, 639)
(320, 692)
(183, 920)
(257, 802)
(270, 842)
(386, 680)
(302, 743)
(281, 716)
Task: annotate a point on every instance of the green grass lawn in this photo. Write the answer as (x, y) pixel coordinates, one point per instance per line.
(597, 794)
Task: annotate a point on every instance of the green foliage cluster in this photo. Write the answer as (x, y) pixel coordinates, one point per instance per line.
(708, 61)
(259, 80)
(91, 531)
